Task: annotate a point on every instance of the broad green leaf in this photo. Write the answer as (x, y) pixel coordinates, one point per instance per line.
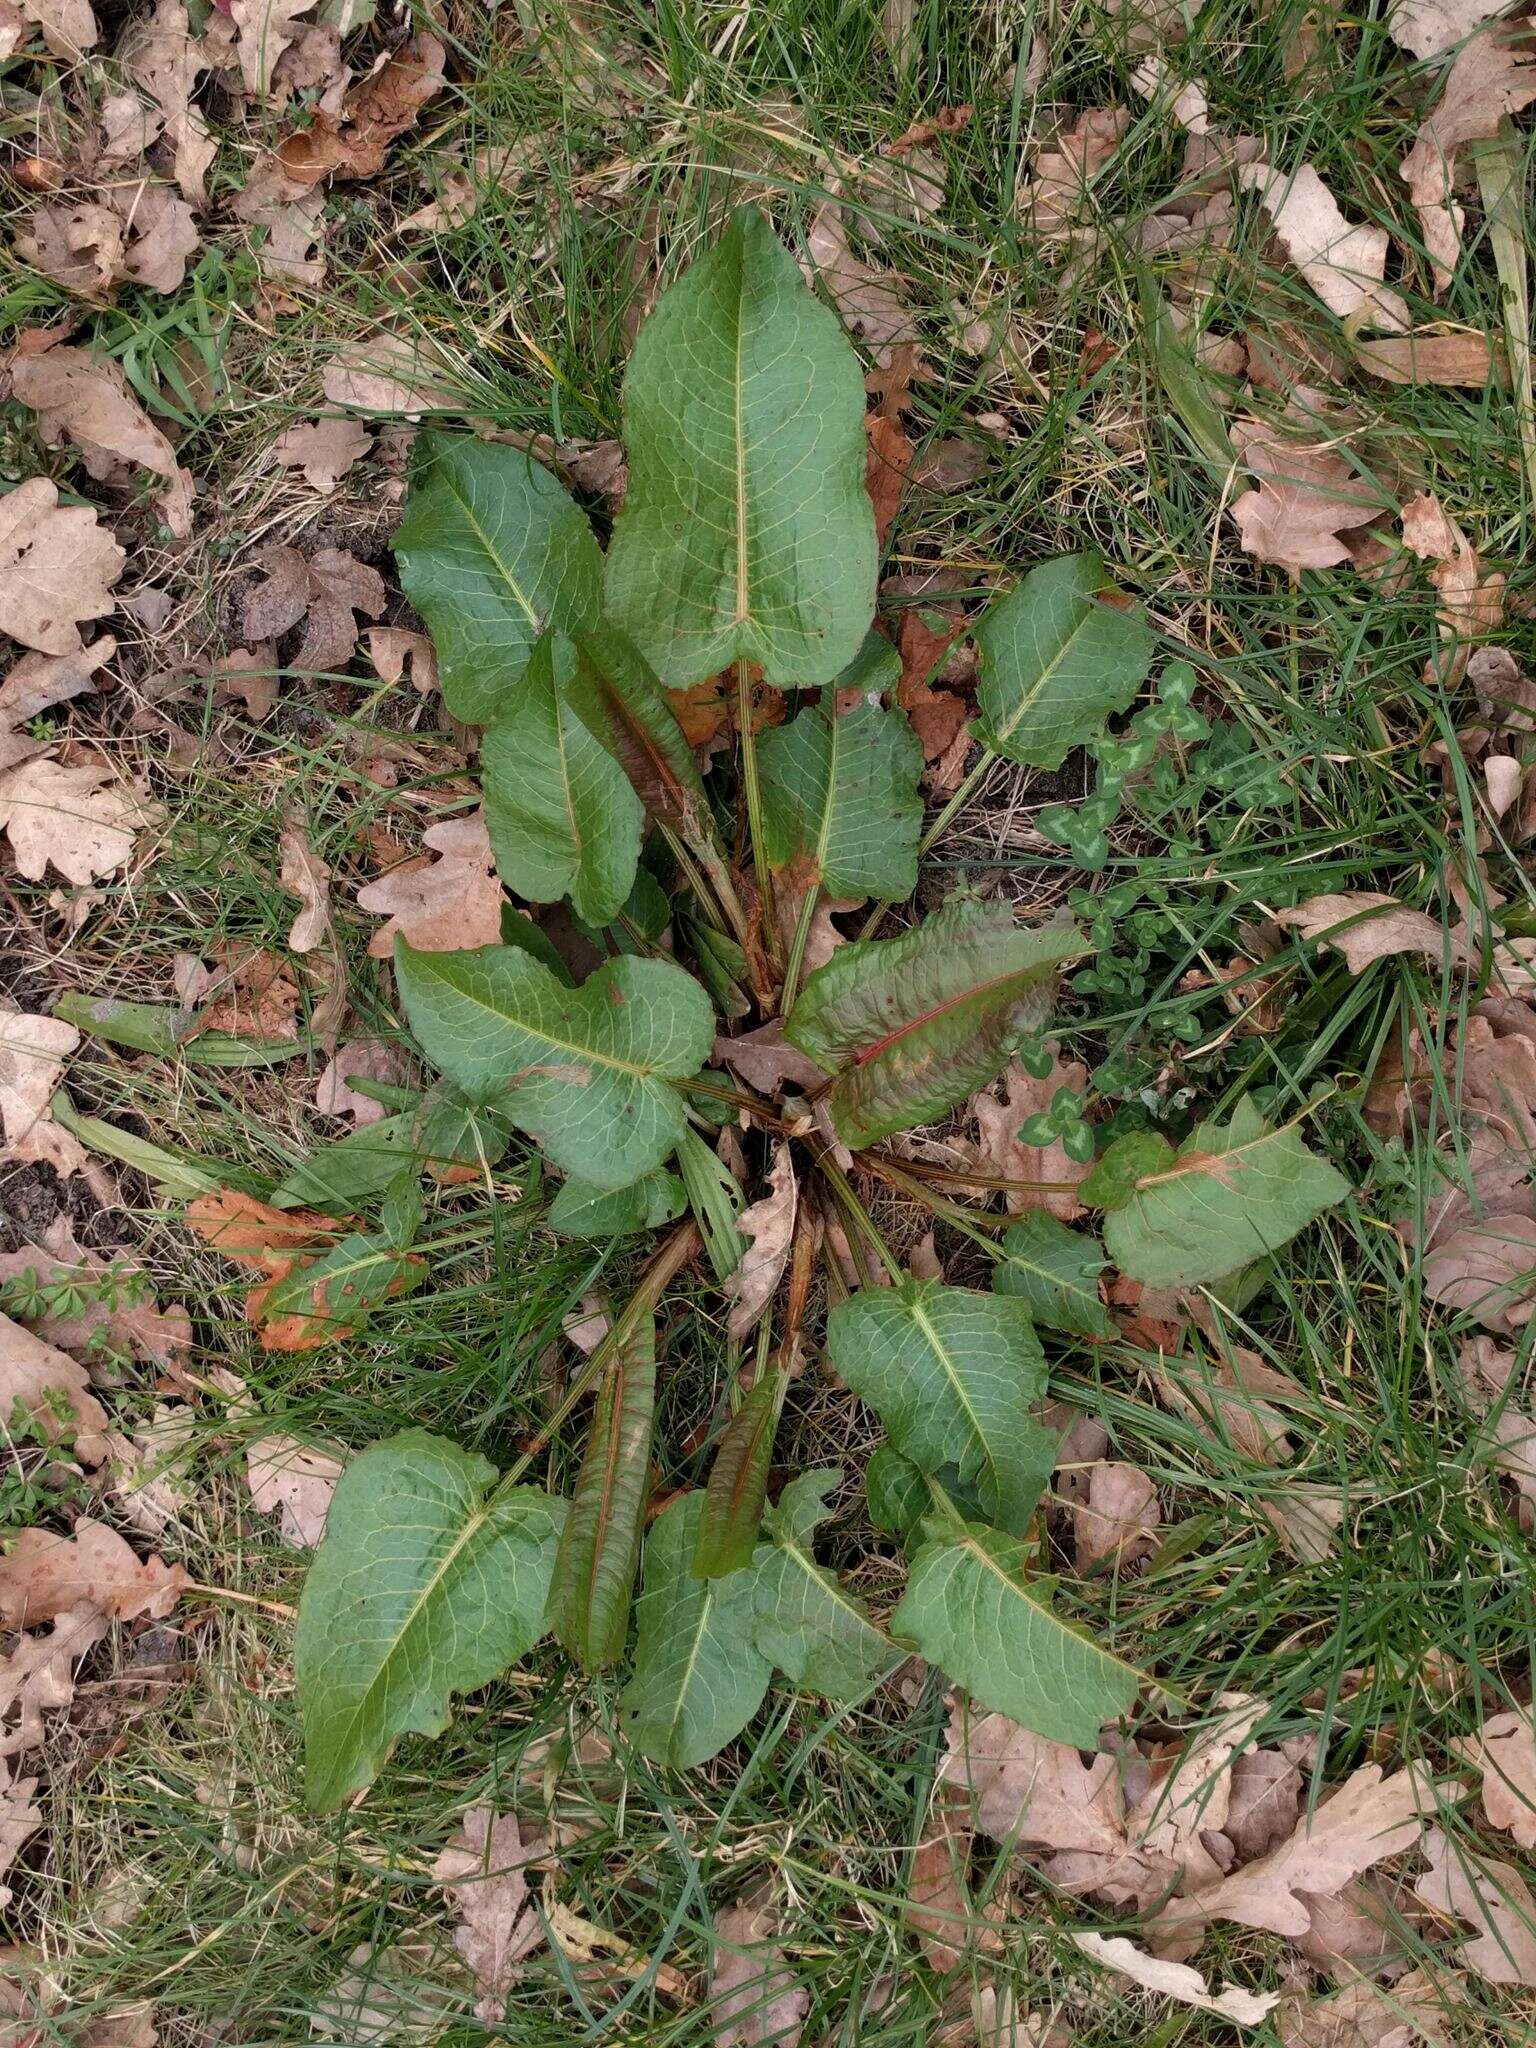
(912, 1025)
(738, 1482)
(518, 929)
(1231, 1193)
(600, 1543)
(1055, 1272)
(581, 1210)
(895, 1491)
(560, 811)
(345, 1284)
(425, 1585)
(698, 1678)
(841, 793)
(954, 1376)
(585, 1071)
(450, 1127)
(350, 1171)
(617, 689)
(969, 1609)
(1055, 662)
(492, 551)
(716, 1201)
(876, 667)
(816, 1631)
(747, 532)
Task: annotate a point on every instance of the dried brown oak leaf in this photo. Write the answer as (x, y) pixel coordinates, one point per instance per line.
(33, 1050)
(38, 1674)
(868, 301)
(938, 1907)
(161, 55)
(1493, 74)
(324, 450)
(19, 1819)
(1051, 1178)
(1342, 263)
(1505, 1753)
(53, 1389)
(262, 33)
(770, 1224)
(68, 26)
(45, 1575)
(757, 2000)
(1065, 167)
(86, 398)
(1471, 602)
(368, 1059)
(324, 592)
(83, 821)
(1307, 497)
(354, 142)
(255, 995)
(1429, 27)
(396, 374)
(1407, 2013)
(398, 654)
(482, 1870)
(1365, 927)
(1177, 1980)
(38, 682)
(305, 875)
(57, 567)
(1490, 1896)
(441, 905)
(296, 1481)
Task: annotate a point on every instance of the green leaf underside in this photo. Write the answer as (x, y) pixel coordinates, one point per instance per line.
(954, 1376)
(968, 1610)
(581, 1210)
(816, 1631)
(562, 817)
(842, 793)
(912, 1025)
(587, 1071)
(422, 1588)
(600, 1543)
(492, 551)
(746, 532)
(1054, 1271)
(1229, 1195)
(698, 1677)
(738, 1483)
(1055, 663)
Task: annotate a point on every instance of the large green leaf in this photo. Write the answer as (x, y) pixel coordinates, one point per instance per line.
(1231, 1193)
(562, 816)
(954, 1376)
(841, 793)
(747, 531)
(969, 1608)
(423, 1587)
(698, 1677)
(586, 1071)
(1055, 662)
(738, 1482)
(600, 1544)
(581, 1210)
(1055, 1272)
(816, 1631)
(912, 1025)
(492, 552)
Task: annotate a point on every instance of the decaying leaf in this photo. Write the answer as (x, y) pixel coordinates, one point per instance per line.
(1118, 1519)
(353, 142)
(160, 55)
(37, 1675)
(83, 821)
(86, 398)
(938, 1907)
(366, 1058)
(324, 592)
(1308, 496)
(1427, 27)
(1344, 265)
(1049, 1178)
(1407, 2013)
(397, 653)
(1505, 1754)
(1489, 1896)
(770, 1224)
(305, 875)
(262, 33)
(57, 567)
(1471, 600)
(277, 1244)
(482, 1870)
(395, 374)
(44, 1575)
(19, 1819)
(296, 1481)
(1178, 1980)
(868, 301)
(117, 1322)
(68, 26)
(255, 994)
(439, 905)
(32, 1054)
(1374, 927)
(758, 2000)
(766, 1060)
(1493, 75)
(323, 449)
(1060, 193)
(48, 1385)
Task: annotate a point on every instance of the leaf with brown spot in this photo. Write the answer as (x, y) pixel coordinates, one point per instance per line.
(44, 1575)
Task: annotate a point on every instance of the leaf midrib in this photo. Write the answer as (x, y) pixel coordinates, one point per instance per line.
(485, 541)
(1006, 729)
(966, 1541)
(867, 1053)
(602, 1059)
(951, 1372)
